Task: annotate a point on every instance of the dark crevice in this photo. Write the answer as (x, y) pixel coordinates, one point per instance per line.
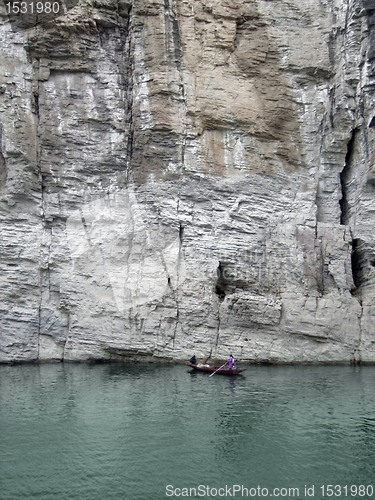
(345, 178)
(356, 262)
(36, 102)
(332, 100)
(3, 167)
(86, 229)
(220, 288)
(364, 130)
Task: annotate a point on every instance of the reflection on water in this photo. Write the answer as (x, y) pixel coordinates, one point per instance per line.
(232, 384)
(118, 431)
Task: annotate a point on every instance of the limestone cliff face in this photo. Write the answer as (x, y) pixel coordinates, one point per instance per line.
(185, 177)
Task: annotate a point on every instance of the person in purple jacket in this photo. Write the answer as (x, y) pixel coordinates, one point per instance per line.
(231, 362)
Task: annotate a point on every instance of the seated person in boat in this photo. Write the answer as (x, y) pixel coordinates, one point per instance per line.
(193, 360)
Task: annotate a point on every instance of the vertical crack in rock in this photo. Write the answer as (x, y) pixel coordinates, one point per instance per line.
(3, 171)
(371, 159)
(218, 328)
(63, 357)
(42, 201)
(357, 359)
(129, 101)
(3, 167)
(172, 34)
(220, 290)
(358, 259)
(178, 277)
(346, 179)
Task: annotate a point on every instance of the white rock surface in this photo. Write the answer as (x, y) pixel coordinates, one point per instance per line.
(187, 177)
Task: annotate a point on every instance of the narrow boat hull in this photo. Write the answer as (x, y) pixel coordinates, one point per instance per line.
(219, 371)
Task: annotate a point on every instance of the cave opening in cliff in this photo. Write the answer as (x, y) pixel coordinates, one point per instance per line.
(345, 179)
(220, 288)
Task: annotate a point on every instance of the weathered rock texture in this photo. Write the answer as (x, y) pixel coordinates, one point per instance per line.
(185, 177)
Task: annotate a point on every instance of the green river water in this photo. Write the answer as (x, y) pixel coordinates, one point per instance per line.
(150, 432)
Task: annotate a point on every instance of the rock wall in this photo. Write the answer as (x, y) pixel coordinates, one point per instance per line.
(185, 177)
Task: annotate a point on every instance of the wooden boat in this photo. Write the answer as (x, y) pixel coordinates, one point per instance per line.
(220, 371)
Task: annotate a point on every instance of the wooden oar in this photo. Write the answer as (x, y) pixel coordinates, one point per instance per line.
(218, 369)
